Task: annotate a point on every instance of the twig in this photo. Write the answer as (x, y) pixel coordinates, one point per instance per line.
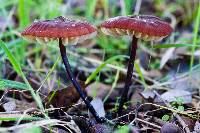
(116, 119)
(29, 110)
(146, 122)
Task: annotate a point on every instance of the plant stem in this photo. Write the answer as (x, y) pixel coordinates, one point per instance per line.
(75, 83)
(131, 61)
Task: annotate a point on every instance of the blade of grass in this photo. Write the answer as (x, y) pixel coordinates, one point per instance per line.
(11, 57)
(24, 12)
(52, 95)
(113, 86)
(137, 68)
(33, 129)
(91, 5)
(106, 8)
(4, 84)
(18, 69)
(99, 68)
(49, 73)
(195, 34)
(128, 6)
(17, 118)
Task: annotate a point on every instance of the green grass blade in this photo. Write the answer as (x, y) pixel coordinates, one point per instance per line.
(137, 68)
(4, 84)
(113, 86)
(24, 12)
(195, 33)
(128, 7)
(11, 58)
(18, 118)
(99, 68)
(33, 129)
(91, 5)
(106, 8)
(49, 73)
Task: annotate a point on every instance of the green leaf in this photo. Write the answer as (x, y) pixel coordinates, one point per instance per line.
(113, 86)
(179, 101)
(33, 129)
(99, 68)
(128, 7)
(181, 108)
(91, 5)
(24, 12)
(49, 73)
(19, 118)
(4, 84)
(123, 129)
(195, 34)
(137, 68)
(11, 58)
(165, 118)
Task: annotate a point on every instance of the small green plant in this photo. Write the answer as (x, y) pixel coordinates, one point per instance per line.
(178, 104)
(117, 105)
(180, 108)
(122, 129)
(166, 118)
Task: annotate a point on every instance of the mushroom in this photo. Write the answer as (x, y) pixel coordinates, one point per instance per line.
(146, 27)
(67, 32)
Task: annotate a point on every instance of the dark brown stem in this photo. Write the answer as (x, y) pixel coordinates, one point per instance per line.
(76, 84)
(123, 97)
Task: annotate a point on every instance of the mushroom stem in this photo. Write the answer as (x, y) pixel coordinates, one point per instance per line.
(131, 61)
(75, 83)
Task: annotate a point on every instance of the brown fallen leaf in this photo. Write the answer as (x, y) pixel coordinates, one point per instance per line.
(64, 97)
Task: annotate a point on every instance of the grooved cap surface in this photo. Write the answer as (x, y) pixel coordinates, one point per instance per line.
(59, 27)
(139, 25)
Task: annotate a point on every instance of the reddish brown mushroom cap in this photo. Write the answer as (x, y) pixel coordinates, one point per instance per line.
(71, 31)
(143, 26)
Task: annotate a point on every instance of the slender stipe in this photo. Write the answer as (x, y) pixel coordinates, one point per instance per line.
(75, 83)
(123, 97)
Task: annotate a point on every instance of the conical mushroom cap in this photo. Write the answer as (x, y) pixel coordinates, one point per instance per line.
(146, 27)
(71, 31)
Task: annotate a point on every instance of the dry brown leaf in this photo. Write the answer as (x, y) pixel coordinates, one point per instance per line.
(64, 97)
